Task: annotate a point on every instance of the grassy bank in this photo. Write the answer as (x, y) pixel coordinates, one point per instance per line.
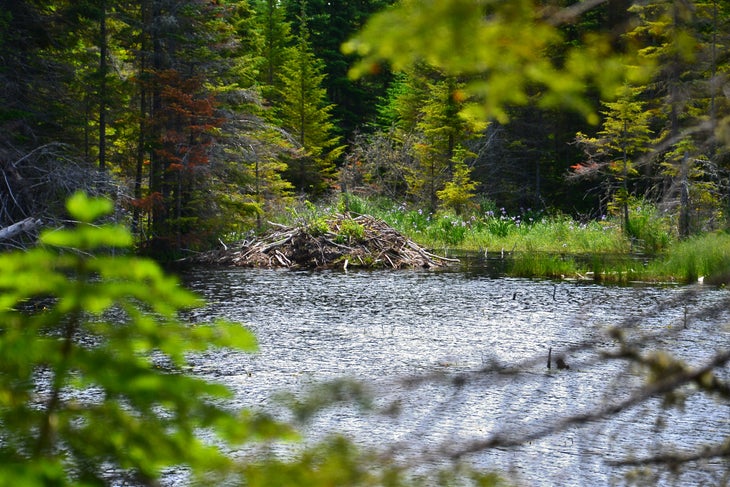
(494, 230)
(554, 245)
(705, 257)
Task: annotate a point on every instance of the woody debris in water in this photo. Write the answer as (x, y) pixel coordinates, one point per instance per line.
(362, 241)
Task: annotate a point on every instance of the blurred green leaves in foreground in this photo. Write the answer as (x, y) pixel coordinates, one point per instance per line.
(509, 53)
(91, 351)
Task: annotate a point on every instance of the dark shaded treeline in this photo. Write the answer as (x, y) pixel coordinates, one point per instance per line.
(203, 116)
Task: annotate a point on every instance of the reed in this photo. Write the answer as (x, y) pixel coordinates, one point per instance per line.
(705, 256)
(539, 264)
(615, 268)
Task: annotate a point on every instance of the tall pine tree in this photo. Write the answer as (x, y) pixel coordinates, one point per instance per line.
(614, 154)
(305, 112)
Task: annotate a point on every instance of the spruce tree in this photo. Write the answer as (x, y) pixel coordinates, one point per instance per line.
(614, 154)
(276, 39)
(682, 38)
(458, 193)
(332, 22)
(306, 114)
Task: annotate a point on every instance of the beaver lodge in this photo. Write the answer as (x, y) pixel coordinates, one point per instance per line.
(341, 241)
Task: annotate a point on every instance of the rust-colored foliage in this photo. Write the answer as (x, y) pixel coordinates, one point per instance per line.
(187, 120)
(148, 203)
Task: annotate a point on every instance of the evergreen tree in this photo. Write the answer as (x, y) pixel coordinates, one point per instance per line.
(458, 193)
(276, 39)
(305, 113)
(193, 78)
(176, 130)
(682, 38)
(614, 154)
(332, 22)
(430, 109)
(247, 180)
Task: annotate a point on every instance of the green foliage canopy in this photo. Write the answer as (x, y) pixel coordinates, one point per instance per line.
(91, 350)
(510, 52)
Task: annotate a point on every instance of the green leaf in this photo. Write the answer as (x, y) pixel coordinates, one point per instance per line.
(86, 209)
(143, 417)
(87, 237)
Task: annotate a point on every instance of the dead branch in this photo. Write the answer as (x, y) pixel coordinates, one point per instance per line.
(36, 182)
(23, 226)
(658, 388)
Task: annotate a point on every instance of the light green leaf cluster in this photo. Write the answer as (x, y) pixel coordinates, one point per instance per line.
(459, 192)
(91, 353)
(507, 50)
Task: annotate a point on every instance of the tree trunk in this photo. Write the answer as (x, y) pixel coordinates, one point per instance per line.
(684, 199)
(103, 68)
(143, 111)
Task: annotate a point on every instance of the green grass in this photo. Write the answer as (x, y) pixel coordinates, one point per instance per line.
(705, 256)
(555, 245)
(557, 234)
(534, 264)
(495, 230)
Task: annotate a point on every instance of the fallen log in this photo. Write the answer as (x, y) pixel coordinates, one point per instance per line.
(23, 226)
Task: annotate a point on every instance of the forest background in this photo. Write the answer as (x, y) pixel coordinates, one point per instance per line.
(204, 119)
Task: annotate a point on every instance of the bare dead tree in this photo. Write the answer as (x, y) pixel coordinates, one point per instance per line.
(35, 184)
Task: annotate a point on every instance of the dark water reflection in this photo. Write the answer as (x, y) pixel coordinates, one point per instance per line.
(491, 335)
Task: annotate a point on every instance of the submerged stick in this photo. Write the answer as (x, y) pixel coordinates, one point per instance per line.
(550, 354)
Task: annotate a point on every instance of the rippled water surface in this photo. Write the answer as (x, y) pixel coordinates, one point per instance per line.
(480, 346)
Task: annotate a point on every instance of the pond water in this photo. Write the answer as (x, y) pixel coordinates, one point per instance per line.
(462, 356)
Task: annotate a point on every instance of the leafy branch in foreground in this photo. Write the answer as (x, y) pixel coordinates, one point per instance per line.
(505, 49)
(90, 353)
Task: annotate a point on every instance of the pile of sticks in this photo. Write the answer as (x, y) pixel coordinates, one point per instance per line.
(305, 247)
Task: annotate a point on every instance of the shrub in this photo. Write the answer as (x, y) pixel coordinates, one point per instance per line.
(350, 231)
(90, 354)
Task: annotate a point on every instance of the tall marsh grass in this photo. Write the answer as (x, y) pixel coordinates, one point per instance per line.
(496, 230)
(648, 230)
(705, 256)
(539, 264)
